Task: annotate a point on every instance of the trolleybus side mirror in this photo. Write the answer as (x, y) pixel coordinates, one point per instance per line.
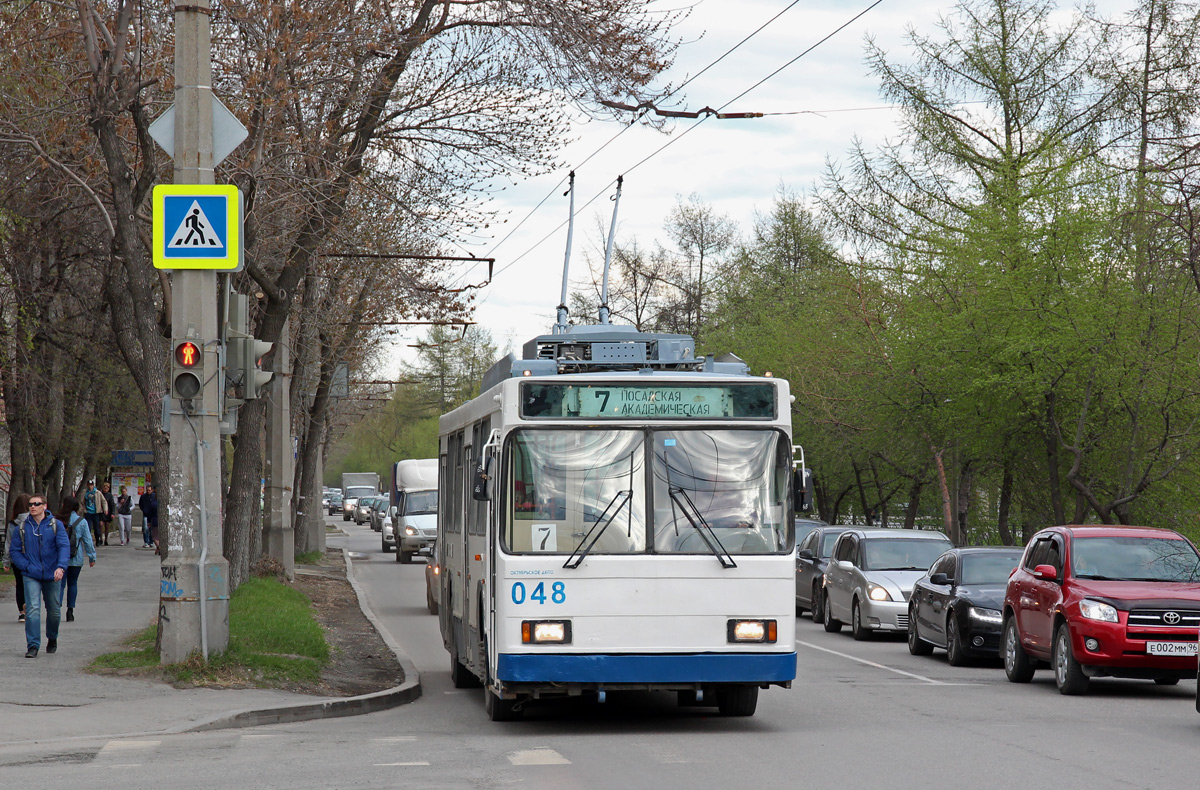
(802, 489)
(479, 489)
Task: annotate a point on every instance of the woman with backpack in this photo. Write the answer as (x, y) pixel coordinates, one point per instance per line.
(79, 533)
(16, 514)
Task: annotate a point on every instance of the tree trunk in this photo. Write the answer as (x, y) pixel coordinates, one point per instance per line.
(914, 503)
(1052, 462)
(1006, 487)
(965, 479)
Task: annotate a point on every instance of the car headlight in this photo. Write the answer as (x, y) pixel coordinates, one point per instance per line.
(409, 531)
(1095, 610)
(985, 615)
(877, 593)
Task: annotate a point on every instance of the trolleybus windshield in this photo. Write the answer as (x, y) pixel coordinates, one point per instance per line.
(565, 481)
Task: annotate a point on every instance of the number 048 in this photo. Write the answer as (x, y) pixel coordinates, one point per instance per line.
(558, 593)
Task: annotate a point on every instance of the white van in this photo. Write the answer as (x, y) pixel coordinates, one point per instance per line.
(414, 507)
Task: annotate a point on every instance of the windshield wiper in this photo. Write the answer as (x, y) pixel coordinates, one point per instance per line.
(598, 528)
(680, 497)
(900, 568)
(1098, 577)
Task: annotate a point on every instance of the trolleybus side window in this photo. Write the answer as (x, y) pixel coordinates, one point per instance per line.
(570, 486)
(479, 437)
(453, 496)
(727, 486)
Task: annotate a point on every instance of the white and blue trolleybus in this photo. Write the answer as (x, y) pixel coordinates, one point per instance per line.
(617, 514)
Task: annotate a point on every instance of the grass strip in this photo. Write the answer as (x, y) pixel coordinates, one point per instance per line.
(309, 558)
(274, 641)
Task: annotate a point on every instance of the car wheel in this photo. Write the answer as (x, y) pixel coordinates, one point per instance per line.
(737, 699)
(430, 604)
(405, 556)
(1068, 674)
(1017, 665)
(831, 625)
(859, 633)
(818, 605)
(955, 653)
(916, 645)
(398, 555)
(1167, 681)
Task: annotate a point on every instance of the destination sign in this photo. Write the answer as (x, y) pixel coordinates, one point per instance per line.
(648, 401)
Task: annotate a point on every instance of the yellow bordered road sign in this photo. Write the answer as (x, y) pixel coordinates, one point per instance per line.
(197, 226)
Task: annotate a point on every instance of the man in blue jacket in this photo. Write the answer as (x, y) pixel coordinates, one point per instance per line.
(41, 550)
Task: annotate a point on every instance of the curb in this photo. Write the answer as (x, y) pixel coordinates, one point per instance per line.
(406, 692)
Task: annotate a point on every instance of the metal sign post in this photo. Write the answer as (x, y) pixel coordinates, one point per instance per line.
(194, 595)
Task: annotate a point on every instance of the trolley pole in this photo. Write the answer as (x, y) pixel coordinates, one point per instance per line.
(194, 599)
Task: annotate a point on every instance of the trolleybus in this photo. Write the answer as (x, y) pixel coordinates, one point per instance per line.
(617, 514)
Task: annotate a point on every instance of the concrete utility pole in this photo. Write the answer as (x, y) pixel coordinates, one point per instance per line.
(279, 536)
(194, 601)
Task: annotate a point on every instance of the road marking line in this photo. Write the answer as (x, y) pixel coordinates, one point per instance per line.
(391, 765)
(921, 678)
(538, 757)
(125, 765)
(113, 746)
(396, 739)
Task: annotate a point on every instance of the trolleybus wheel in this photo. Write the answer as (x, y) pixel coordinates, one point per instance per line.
(496, 707)
(460, 676)
(737, 700)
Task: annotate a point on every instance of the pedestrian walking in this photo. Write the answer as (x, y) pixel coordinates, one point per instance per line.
(125, 516)
(41, 550)
(148, 502)
(18, 509)
(79, 536)
(94, 506)
(110, 510)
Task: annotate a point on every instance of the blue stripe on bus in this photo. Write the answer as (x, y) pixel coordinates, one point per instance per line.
(661, 668)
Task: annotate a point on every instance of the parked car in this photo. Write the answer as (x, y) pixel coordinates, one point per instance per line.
(378, 513)
(812, 555)
(956, 605)
(334, 504)
(362, 510)
(432, 571)
(871, 575)
(1100, 601)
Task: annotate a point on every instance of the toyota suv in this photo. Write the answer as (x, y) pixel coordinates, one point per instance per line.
(1099, 601)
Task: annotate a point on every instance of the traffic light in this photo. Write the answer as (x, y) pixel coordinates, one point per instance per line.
(254, 378)
(187, 374)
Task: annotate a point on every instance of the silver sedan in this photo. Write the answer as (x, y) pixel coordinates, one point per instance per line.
(870, 577)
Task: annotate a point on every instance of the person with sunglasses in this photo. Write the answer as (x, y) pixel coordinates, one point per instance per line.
(41, 552)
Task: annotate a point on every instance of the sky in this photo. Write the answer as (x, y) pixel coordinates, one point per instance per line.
(736, 166)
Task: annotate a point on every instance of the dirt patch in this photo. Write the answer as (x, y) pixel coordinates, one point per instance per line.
(360, 661)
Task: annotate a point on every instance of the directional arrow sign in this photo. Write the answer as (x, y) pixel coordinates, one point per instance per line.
(197, 226)
(228, 132)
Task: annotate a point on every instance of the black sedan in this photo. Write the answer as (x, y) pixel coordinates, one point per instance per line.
(812, 555)
(957, 604)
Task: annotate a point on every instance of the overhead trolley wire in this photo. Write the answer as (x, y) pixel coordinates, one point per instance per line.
(626, 128)
(683, 134)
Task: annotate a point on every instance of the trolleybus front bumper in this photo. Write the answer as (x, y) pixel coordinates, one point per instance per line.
(649, 669)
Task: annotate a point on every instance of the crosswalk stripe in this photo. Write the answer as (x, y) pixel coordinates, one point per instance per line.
(537, 757)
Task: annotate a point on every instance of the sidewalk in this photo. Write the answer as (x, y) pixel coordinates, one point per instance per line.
(52, 697)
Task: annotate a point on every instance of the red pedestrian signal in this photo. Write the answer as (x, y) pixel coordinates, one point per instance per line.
(187, 355)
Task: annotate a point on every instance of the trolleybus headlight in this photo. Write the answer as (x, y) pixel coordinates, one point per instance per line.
(751, 630)
(543, 631)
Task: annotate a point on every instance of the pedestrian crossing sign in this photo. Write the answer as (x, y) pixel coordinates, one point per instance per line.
(197, 226)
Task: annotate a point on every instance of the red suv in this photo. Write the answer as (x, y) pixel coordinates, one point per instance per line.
(1097, 601)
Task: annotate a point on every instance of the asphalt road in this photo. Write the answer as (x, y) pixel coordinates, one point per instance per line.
(860, 715)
